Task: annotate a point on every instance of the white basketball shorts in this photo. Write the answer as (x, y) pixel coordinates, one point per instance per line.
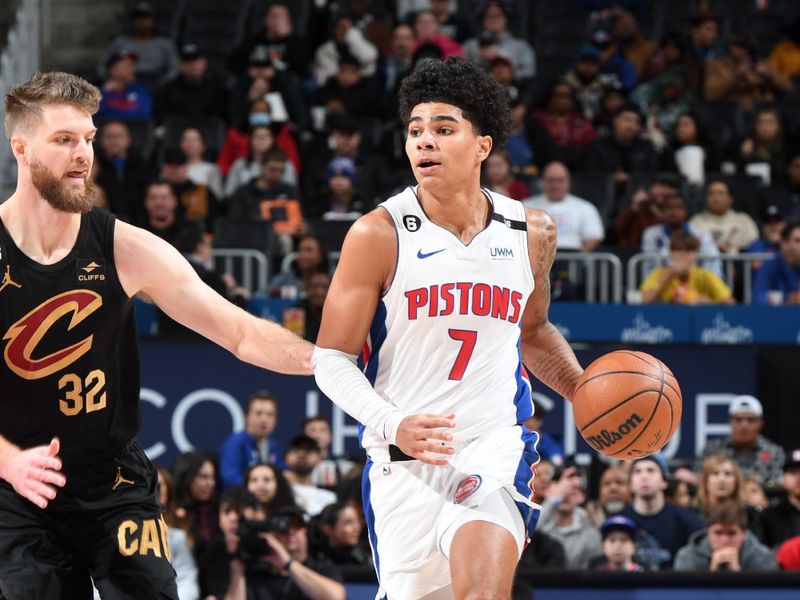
(412, 507)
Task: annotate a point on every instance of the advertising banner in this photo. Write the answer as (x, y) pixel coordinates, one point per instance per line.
(193, 396)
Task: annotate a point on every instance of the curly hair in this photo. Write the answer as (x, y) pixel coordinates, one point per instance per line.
(482, 100)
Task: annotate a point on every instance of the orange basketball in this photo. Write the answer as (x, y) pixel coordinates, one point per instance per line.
(627, 404)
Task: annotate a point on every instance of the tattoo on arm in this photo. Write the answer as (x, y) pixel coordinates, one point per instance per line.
(554, 363)
(546, 251)
(558, 368)
(547, 248)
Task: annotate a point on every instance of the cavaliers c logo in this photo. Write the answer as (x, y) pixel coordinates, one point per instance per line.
(25, 334)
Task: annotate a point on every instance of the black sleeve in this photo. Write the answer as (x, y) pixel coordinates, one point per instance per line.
(325, 569)
(213, 568)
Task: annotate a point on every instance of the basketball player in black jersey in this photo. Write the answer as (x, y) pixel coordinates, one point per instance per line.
(77, 494)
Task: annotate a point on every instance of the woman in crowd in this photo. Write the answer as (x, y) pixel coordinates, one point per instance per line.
(337, 536)
(179, 537)
(200, 171)
(767, 145)
(568, 129)
(312, 257)
(237, 138)
(499, 178)
(195, 478)
(247, 168)
(721, 480)
(689, 133)
(269, 485)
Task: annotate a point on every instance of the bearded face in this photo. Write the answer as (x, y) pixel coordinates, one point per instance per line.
(65, 194)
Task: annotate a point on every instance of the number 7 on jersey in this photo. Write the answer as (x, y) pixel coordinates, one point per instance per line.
(467, 338)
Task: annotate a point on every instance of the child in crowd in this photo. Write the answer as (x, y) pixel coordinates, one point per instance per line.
(619, 545)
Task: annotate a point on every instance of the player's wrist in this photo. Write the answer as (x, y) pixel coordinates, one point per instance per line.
(391, 426)
(7, 452)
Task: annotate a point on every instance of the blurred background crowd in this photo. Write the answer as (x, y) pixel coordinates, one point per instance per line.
(272, 126)
(669, 128)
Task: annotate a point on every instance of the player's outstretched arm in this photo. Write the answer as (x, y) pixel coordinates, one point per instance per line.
(34, 473)
(147, 264)
(544, 350)
(364, 271)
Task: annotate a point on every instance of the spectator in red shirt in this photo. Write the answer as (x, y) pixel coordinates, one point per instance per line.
(427, 30)
(566, 126)
(499, 178)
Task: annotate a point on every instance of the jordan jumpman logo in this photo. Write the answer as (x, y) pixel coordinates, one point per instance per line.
(7, 280)
(120, 479)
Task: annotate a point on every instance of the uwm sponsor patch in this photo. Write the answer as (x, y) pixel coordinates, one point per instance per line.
(24, 335)
(605, 439)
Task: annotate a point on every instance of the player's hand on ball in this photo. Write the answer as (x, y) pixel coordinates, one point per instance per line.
(34, 473)
(425, 437)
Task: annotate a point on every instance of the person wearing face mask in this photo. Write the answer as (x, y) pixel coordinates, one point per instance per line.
(265, 80)
(158, 59)
(247, 168)
(240, 142)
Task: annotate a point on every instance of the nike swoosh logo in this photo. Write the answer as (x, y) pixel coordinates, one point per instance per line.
(421, 254)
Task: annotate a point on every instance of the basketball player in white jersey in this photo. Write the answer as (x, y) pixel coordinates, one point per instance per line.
(445, 289)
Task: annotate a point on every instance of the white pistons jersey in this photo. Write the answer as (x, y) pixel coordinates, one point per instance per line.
(445, 337)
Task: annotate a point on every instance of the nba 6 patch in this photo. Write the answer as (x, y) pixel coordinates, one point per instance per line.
(466, 488)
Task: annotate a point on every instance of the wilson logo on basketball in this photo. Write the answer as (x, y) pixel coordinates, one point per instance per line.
(605, 438)
(24, 335)
(466, 488)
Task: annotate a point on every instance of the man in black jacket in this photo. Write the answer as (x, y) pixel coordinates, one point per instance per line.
(123, 173)
(193, 92)
(623, 152)
(782, 521)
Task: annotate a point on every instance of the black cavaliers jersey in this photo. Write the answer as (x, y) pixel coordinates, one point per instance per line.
(70, 365)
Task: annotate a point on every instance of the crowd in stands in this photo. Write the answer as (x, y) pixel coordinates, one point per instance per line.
(630, 126)
(241, 517)
(660, 127)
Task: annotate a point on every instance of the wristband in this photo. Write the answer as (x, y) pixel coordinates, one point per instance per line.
(288, 564)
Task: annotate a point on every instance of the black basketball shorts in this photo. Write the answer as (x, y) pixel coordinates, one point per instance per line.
(113, 532)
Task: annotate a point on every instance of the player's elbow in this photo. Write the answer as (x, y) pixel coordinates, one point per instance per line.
(532, 334)
(238, 342)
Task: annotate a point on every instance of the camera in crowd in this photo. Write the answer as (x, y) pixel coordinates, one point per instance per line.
(252, 545)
